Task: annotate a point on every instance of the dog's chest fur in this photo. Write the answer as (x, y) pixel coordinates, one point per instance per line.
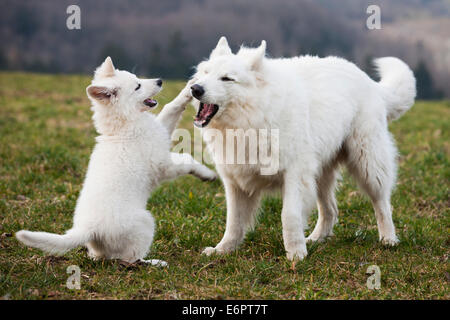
(128, 166)
(246, 175)
(249, 177)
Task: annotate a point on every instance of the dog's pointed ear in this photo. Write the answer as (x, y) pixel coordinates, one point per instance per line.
(259, 54)
(106, 69)
(100, 93)
(221, 49)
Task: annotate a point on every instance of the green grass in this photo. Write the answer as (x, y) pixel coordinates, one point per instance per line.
(46, 137)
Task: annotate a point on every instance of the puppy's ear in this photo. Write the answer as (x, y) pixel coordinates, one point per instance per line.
(258, 56)
(100, 93)
(221, 49)
(105, 70)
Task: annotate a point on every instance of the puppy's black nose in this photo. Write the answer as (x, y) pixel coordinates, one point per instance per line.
(159, 82)
(197, 91)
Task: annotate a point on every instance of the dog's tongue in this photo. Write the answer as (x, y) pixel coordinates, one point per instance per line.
(204, 113)
(150, 102)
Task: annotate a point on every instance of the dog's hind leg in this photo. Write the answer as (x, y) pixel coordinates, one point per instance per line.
(371, 160)
(95, 250)
(326, 203)
(241, 212)
(135, 243)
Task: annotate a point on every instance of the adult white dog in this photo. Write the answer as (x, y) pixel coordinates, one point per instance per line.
(131, 158)
(328, 113)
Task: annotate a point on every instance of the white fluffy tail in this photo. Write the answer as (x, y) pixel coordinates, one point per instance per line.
(51, 242)
(399, 85)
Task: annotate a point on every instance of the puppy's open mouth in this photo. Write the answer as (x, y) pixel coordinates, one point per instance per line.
(151, 103)
(205, 113)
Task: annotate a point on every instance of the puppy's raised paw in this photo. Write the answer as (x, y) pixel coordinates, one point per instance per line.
(204, 174)
(211, 176)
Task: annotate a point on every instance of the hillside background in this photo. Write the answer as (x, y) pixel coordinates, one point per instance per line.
(166, 38)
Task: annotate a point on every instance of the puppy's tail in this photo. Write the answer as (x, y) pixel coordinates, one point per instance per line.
(53, 243)
(398, 86)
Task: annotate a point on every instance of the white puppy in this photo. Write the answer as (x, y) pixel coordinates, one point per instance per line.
(131, 158)
(328, 112)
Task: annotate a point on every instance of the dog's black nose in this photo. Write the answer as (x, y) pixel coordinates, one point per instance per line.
(159, 82)
(197, 91)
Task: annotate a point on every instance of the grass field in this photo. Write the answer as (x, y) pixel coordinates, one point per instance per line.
(46, 137)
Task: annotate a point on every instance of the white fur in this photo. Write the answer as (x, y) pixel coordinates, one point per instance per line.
(328, 112)
(131, 158)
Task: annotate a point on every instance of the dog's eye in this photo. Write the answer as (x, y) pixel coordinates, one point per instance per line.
(138, 87)
(226, 79)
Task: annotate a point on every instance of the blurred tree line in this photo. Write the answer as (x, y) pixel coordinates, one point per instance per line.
(167, 38)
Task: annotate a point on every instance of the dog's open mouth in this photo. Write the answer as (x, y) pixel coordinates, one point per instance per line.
(151, 103)
(205, 113)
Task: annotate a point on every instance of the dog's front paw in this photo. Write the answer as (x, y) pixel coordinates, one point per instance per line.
(209, 251)
(297, 254)
(391, 241)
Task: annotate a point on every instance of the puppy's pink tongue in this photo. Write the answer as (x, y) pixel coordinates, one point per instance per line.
(150, 102)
